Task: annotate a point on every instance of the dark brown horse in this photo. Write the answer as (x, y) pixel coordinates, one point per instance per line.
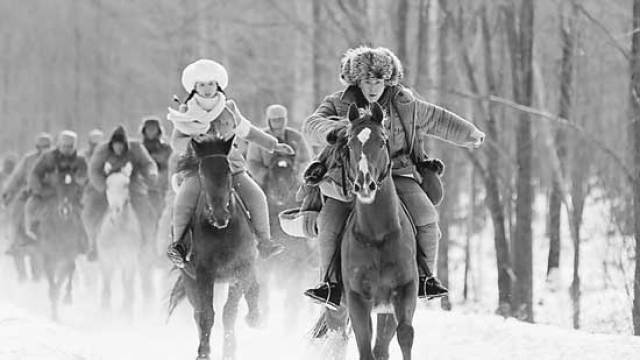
(378, 249)
(222, 247)
(62, 236)
(280, 185)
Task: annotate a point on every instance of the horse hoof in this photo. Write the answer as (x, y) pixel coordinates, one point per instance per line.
(203, 357)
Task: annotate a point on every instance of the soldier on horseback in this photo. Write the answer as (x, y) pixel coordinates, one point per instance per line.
(151, 132)
(15, 190)
(65, 159)
(259, 159)
(207, 111)
(373, 75)
(118, 152)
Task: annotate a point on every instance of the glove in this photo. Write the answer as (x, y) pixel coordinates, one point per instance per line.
(337, 134)
(433, 164)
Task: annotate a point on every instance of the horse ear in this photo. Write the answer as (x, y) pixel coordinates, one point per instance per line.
(376, 112)
(228, 144)
(107, 168)
(353, 113)
(127, 169)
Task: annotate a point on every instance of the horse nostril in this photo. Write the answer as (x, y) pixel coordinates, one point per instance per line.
(372, 186)
(356, 187)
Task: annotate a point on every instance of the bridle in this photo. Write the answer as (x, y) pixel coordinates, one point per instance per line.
(347, 173)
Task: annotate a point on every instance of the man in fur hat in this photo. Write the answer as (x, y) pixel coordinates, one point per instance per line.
(95, 138)
(373, 75)
(117, 152)
(259, 159)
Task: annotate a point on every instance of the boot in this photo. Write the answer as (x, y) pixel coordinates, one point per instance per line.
(267, 248)
(430, 287)
(176, 253)
(328, 293)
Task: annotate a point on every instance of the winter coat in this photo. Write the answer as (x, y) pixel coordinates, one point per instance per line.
(226, 125)
(402, 111)
(39, 181)
(259, 160)
(144, 168)
(17, 182)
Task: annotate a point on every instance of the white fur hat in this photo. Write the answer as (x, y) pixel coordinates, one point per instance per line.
(204, 70)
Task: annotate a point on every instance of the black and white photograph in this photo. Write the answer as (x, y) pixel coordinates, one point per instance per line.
(319, 179)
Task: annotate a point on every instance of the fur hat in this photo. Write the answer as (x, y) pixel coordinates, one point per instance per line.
(204, 70)
(95, 136)
(151, 120)
(364, 63)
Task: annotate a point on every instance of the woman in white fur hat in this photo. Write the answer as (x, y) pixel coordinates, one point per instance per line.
(373, 75)
(207, 110)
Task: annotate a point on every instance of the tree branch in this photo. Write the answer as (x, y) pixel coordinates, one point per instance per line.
(606, 31)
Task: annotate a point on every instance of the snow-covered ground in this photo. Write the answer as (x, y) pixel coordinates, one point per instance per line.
(469, 332)
(439, 335)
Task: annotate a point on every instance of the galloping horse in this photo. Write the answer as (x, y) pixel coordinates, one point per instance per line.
(279, 186)
(378, 248)
(119, 238)
(222, 246)
(62, 236)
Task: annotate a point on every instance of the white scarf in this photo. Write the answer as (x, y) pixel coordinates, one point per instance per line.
(196, 120)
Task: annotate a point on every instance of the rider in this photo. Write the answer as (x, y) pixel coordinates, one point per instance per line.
(63, 158)
(15, 189)
(119, 151)
(207, 110)
(95, 138)
(160, 151)
(373, 75)
(259, 159)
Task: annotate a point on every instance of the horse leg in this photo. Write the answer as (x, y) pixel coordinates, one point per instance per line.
(106, 288)
(229, 315)
(360, 315)
(386, 329)
(71, 268)
(50, 273)
(200, 294)
(36, 262)
(252, 296)
(404, 304)
(20, 266)
(128, 300)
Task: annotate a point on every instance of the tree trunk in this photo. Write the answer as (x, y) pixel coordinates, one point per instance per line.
(503, 259)
(316, 67)
(422, 70)
(635, 140)
(401, 34)
(521, 44)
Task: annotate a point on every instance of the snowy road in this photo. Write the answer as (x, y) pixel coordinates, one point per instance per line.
(439, 335)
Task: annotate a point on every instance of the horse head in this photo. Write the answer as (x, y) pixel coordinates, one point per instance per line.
(67, 191)
(215, 177)
(118, 187)
(368, 152)
(281, 178)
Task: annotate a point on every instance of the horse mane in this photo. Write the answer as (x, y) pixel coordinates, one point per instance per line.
(187, 162)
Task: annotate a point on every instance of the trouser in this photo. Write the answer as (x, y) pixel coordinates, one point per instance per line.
(32, 211)
(251, 194)
(334, 214)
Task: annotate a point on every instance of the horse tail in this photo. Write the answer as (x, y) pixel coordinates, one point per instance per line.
(319, 330)
(178, 293)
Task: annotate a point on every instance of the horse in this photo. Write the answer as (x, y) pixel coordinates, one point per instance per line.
(62, 235)
(378, 250)
(119, 238)
(223, 246)
(16, 233)
(280, 181)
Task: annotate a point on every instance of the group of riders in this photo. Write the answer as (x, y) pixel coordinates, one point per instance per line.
(370, 75)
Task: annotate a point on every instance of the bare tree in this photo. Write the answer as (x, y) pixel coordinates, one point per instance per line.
(634, 98)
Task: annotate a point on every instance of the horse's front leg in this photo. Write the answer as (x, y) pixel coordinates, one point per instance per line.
(229, 316)
(386, 329)
(404, 304)
(200, 294)
(360, 315)
(71, 268)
